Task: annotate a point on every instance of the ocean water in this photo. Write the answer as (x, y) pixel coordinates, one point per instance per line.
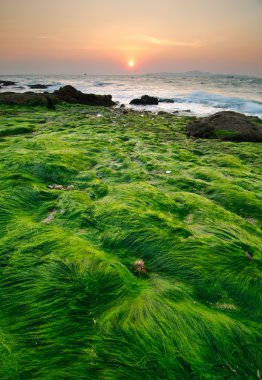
(193, 93)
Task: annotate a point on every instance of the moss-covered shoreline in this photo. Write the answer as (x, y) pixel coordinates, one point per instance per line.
(133, 187)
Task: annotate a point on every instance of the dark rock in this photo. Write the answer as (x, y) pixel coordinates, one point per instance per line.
(67, 94)
(145, 100)
(39, 86)
(227, 126)
(6, 83)
(166, 100)
(122, 106)
(180, 111)
(70, 95)
(28, 98)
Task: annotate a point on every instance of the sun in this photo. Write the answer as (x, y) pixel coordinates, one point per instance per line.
(131, 63)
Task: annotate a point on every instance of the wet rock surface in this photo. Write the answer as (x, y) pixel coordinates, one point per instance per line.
(66, 94)
(145, 100)
(164, 100)
(70, 95)
(39, 86)
(28, 98)
(227, 126)
(6, 83)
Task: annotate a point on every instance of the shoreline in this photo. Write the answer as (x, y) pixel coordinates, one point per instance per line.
(223, 125)
(202, 95)
(35, 95)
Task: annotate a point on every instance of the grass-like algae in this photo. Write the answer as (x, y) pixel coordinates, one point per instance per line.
(133, 187)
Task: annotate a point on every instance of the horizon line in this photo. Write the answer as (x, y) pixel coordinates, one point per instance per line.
(137, 74)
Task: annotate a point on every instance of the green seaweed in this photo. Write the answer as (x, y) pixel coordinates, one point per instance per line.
(86, 195)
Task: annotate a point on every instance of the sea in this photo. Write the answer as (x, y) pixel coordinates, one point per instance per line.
(191, 93)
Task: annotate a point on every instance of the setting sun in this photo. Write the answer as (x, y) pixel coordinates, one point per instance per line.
(131, 63)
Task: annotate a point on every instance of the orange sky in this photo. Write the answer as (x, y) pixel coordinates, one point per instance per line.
(102, 36)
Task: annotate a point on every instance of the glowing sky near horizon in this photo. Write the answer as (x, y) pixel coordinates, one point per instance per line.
(123, 36)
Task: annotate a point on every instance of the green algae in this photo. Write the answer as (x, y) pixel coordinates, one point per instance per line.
(71, 305)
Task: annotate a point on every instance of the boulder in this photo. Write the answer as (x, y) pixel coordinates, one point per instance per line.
(227, 126)
(70, 95)
(28, 98)
(6, 83)
(164, 113)
(145, 100)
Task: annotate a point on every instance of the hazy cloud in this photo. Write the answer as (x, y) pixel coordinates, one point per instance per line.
(47, 38)
(164, 42)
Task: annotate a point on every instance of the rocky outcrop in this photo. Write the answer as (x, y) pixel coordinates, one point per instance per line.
(66, 94)
(6, 83)
(227, 126)
(28, 98)
(145, 100)
(70, 95)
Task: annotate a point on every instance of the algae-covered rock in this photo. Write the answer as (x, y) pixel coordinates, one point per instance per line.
(66, 94)
(227, 126)
(70, 95)
(28, 98)
(13, 130)
(145, 100)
